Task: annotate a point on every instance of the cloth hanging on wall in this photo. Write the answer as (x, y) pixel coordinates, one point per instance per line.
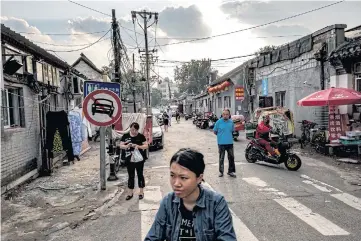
(57, 145)
(86, 130)
(58, 121)
(76, 131)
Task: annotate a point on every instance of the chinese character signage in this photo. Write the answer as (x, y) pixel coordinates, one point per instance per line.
(239, 93)
(265, 87)
(90, 86)
(335, 126)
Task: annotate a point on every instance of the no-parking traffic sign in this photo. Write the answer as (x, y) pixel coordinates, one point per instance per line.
(102, 107)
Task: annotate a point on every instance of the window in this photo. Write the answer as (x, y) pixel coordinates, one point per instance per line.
(227, 102)
(13, 113)
(219, 102)
(358, 83)
(39, 71)
(281, 98)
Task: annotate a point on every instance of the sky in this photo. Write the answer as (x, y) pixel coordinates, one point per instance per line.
(179, 20)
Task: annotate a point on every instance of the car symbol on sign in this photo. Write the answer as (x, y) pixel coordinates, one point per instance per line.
(101, 106)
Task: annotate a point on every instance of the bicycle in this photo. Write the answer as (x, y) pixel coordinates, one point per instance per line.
(318, 138)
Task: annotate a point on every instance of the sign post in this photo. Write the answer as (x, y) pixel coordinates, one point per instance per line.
(102, 108)
(103, 172)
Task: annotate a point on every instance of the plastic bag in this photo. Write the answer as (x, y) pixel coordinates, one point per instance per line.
(137, 156)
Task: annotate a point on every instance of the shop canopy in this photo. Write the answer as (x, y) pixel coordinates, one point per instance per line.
(332, 97)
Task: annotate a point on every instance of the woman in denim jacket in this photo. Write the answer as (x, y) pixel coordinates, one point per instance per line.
(191, 212)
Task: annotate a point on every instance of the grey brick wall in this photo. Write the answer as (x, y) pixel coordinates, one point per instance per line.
(20, 146)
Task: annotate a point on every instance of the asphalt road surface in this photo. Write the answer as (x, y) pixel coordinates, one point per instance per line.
(267, 202)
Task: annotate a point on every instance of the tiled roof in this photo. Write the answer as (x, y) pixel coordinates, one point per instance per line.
(26, 45)
(88, 61)
(349, 49)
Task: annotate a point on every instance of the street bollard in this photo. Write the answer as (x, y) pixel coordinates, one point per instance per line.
(112, 175)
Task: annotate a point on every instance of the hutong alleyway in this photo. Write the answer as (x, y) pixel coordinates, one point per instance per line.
(268, 202)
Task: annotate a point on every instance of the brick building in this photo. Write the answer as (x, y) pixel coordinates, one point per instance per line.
(35, 82)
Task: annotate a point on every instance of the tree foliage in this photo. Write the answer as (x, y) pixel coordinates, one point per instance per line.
(266, 49)
(193, 76)
(156, 97)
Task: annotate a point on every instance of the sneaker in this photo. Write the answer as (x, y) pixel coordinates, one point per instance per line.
(232, 174)
(220, 175)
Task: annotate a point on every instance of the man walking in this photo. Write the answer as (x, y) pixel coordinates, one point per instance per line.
(224, 130)
(170, 115)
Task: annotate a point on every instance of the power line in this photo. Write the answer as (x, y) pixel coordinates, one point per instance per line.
(66, 45)
(74, 50)
(257, 26)
(63, 34)
(263, 37)
(89, 8)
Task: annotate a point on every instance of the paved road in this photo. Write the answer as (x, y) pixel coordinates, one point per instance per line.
(267, 201)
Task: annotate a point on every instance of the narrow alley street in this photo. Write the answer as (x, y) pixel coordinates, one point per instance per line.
(268, 202)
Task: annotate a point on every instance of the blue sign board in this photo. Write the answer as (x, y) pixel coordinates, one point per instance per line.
(90, 86)
(265, 87)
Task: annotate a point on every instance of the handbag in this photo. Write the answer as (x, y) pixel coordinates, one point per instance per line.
(137, 156)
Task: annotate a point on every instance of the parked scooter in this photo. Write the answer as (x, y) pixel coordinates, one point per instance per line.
(257, 152)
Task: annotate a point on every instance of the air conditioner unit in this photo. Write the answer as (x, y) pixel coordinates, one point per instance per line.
(77, 85)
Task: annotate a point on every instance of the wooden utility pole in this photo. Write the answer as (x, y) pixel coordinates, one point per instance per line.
(146, 16)
(116, 49)
(133, 87)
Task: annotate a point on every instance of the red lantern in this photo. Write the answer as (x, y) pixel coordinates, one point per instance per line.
(223, 85)
(228, 83)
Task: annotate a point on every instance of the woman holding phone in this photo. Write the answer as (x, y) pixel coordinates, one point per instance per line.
(129, 142)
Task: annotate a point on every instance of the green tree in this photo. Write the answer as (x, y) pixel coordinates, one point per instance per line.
(156, 97)
(266, 49)
(193, 76)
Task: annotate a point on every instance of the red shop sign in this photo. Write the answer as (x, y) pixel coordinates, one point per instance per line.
(239, 93)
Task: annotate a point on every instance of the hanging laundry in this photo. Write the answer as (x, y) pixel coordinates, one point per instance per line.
(76, 131)
(58, 121)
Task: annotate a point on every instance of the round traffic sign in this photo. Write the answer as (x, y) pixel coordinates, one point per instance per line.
(102, 107)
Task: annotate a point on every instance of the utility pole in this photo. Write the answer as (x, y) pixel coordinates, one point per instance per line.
(116, 49)
(133, 87)
(147, 16)
(170, 93)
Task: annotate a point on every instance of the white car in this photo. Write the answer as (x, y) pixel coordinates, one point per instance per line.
(158, 135)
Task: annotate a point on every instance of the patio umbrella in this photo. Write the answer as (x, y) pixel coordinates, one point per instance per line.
(331, 97)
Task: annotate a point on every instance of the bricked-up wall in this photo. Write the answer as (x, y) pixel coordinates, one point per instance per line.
(20, 146)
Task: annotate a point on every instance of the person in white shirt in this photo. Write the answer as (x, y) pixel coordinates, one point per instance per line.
(170, 116)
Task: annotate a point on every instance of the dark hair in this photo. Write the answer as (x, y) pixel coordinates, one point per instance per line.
(135, 125)
(190, 159)
(226, 109)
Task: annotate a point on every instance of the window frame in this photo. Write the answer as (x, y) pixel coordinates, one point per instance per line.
(6, 108)
(281, 102)
(358, 82)
(15, 109)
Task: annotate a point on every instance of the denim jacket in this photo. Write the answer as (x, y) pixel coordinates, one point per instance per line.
(211, 217)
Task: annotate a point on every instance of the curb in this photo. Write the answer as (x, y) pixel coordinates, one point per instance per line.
(93, 214)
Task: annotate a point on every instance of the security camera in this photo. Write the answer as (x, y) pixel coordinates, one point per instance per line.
(305, 82)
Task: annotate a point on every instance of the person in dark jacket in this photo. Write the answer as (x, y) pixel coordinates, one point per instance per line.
(191, 212)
